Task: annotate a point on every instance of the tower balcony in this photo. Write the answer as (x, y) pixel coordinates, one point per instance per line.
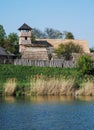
(24, 42)
(25, 34)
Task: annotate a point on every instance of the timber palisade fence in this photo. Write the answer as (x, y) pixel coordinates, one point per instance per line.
(46, 63)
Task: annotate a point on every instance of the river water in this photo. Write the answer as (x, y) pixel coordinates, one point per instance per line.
(47, 113)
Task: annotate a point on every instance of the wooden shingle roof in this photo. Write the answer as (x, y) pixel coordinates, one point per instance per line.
(3, 51)
(41, 44)
(25, 27)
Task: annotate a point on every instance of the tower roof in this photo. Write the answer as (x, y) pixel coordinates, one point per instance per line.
(25, 27)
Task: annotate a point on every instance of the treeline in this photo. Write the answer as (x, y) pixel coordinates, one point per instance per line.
(10, 42)
(51, 33)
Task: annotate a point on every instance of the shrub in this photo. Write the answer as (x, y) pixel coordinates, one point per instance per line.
(66, 50)
(85, 64)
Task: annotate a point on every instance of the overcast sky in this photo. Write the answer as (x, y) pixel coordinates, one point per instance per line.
(76, 16)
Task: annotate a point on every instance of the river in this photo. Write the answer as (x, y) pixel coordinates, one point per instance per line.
(47, 113)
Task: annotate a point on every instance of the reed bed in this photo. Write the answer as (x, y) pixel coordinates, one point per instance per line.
(10, 86)
(87, 89)
(53, 87)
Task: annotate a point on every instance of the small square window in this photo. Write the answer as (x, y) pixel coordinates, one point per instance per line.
(25, 38)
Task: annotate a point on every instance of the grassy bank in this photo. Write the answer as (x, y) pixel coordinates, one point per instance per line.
(27, 80)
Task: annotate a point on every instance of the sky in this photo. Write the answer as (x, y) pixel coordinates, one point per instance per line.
(76, 16)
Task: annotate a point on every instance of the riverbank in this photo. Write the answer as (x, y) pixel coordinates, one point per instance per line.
(27, 80)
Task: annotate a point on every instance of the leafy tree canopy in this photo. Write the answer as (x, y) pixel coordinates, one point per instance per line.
(48, 33)
(52, 33)
(66, 50)
(2, 35)
(68, 35)
(92, 49)
(13, 38)
(38, 33)
(11, 43)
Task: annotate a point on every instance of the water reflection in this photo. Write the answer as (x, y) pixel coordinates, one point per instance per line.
(43, 99)
(52, 99)
(86, 98)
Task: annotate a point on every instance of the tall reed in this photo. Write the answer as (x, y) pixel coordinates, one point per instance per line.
(87, 89)
(52, 86)
(10, 86)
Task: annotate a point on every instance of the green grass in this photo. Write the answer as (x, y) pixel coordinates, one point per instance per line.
(24, 72)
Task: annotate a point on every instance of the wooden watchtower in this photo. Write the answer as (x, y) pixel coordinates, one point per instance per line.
(24, 36)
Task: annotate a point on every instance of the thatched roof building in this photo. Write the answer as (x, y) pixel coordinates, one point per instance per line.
(42, 48)
(56, 42)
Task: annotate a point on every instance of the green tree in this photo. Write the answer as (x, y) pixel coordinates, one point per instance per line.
(33, 38)
(85, 64)
(66, 50)
(92, 49)
(48, 33)
(2, 35)
(53, 34)
(68, 35)
(13, 38)
(38, 33)
(11, 43)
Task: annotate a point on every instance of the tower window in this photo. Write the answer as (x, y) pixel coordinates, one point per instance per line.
(25, 38)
